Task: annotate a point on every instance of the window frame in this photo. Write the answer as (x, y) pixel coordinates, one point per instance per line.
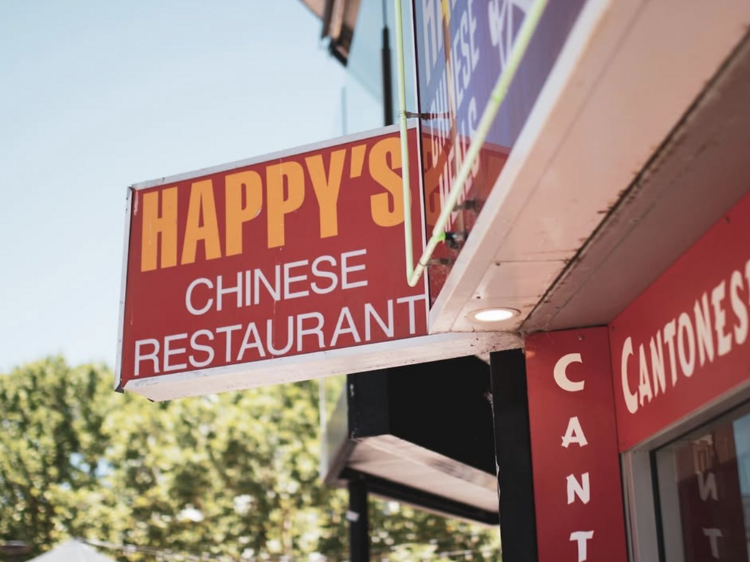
(644, 527)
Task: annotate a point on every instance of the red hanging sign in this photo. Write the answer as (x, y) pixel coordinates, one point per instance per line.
(259, 261)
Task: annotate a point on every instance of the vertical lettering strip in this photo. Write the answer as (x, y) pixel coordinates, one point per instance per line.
(577, 484)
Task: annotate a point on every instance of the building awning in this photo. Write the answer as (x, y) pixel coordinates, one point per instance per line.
(419, 434)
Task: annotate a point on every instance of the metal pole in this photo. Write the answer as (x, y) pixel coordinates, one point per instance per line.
(510, 413)
(387, 73)
(359, 534)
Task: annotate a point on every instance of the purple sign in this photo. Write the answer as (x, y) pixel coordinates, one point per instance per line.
(462, 47)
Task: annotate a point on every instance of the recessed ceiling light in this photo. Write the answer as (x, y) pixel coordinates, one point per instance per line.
(494, 314)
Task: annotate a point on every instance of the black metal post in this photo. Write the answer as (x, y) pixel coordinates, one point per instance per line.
(510, 406)
(359, 534)
(387, 75)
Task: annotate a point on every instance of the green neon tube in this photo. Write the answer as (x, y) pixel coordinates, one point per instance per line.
(406, 184)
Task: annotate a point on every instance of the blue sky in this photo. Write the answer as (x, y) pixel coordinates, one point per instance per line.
(95, 96)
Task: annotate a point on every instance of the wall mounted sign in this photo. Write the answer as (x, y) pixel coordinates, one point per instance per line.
(462, 46)
(577, 484)
(684, 341)
(256, 262)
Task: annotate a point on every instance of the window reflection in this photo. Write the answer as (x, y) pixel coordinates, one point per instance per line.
(704, 488)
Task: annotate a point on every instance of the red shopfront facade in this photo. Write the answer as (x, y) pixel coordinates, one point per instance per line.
(640, 430)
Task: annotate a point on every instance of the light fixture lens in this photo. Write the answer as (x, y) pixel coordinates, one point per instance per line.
(494, 314)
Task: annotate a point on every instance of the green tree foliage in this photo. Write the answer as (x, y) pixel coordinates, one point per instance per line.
(230, 477)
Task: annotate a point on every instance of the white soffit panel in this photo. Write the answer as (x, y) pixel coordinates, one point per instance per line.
(512, 284)
(628, 73)
(694, 179)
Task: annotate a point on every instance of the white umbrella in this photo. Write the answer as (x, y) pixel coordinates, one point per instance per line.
(72, 551)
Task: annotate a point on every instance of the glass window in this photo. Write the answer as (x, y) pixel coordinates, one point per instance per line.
(704, 492)
(363, 93)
